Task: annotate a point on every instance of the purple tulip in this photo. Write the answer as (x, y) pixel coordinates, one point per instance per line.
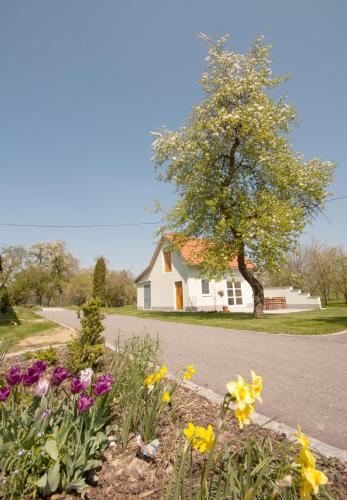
(59, 375)
(103, 384)
(77, 385)
(85, 402)
(13, 376)
(31, 376)
(4, 393)
(40, 366)
(107, 377)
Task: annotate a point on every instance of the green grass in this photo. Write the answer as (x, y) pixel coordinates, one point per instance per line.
(28, 324)
(316, 322)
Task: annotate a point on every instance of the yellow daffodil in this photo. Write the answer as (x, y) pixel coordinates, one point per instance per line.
(243, 415)
(241, 392)
(166, 397)
(301, 438)
(314, 478)
(202, 439)
(149, 380)
(306, 458)
(190, 371)
(257, 386)
(160, 374)
(189, 431)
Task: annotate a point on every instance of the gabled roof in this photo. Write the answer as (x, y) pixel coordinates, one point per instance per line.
(191, 251)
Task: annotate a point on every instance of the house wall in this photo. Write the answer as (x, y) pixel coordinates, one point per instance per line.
(295, 298)
(213, 301)
(163, 292)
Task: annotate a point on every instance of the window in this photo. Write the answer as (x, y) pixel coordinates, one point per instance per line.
(205, 287)
(167, 262)
(234, 293)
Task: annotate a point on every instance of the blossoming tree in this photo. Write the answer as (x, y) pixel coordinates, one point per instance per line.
(240, 183)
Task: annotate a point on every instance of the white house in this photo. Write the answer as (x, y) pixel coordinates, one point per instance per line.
(170, 283)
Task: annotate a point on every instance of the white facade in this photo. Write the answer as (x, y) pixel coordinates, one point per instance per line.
(161, 286)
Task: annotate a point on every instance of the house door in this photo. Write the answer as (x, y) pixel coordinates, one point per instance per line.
(179, 295)
(147, 297)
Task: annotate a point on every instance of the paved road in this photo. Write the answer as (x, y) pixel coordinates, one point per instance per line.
(305, 378)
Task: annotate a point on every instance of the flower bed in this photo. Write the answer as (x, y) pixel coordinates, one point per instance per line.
(129, 432)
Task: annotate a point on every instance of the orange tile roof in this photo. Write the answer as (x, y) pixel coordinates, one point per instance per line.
(193, 248)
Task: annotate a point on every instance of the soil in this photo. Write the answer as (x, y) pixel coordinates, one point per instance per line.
(129, 475)
(55, 336)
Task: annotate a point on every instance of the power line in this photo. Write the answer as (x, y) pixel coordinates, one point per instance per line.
(338, 198)
(82, 225)
(125, 224)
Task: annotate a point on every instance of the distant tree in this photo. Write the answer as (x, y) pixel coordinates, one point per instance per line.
(32, 281)
(13, 260)
(99, 280)
(316, 268)
(342, 273)
(80, 287)
(239, 182)
(56, 260)
(120, 288)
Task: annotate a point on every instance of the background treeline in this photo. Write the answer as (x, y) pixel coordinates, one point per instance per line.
(47, 274)
(316, 268)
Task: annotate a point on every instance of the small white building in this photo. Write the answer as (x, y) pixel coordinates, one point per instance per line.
(170, 283)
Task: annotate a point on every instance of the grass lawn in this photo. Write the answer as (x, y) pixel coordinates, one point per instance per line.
(28, 324)
(316, 322)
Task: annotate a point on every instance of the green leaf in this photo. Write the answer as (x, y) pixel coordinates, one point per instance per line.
(41, 483)
(54, 477)
(51, 448)
(77, 484)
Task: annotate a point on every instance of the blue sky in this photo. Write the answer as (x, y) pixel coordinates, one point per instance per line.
(83, 83)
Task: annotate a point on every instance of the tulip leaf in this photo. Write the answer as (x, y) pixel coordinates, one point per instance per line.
(41, 483)
(54, 477)
(51, 448)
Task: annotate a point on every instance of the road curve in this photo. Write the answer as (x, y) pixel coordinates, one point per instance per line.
(305, 377)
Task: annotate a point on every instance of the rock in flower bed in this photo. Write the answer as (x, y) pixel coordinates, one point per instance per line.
(129, 432)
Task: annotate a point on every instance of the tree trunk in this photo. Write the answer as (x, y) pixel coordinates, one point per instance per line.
(257, 287)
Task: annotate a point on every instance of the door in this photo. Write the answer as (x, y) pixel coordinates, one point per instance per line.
(179, 295)
(147, 296)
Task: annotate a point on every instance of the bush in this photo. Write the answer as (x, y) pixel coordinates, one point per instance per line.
(50, 355)
(87, 349)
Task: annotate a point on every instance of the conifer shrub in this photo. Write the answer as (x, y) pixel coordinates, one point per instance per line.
(88, 348)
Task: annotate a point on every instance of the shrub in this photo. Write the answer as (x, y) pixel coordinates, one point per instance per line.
(87, 349)
(99, 280)
(50, 355)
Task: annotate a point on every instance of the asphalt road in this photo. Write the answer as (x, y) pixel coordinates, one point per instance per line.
(305, 377)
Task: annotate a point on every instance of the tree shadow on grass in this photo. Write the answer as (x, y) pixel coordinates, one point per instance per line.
(9, 318)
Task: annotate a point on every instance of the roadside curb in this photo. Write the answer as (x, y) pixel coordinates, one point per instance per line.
(322, 448)
(325, 449)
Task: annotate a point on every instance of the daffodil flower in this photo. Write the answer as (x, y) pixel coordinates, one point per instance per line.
(257, 386)
(241, 391)
(301, 438)
(314, 478)
(243, 415)
(201, 439)
(166, 397)
(190, 371)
